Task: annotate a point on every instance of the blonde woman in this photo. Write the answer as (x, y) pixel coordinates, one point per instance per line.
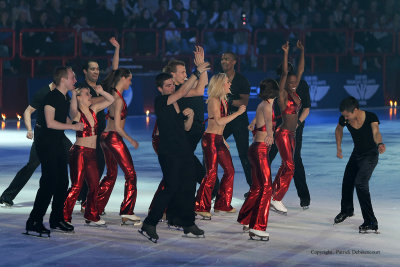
(215, 150)
(83, 160)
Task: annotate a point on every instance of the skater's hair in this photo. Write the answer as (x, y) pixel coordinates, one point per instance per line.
(269, 88)
(161, 78)
(232, 54)
(349, 104)
(80, 89)
(60, 72)
(279, 69)
(87, 62)
(113, 78)
(216, 86)
(171, 66)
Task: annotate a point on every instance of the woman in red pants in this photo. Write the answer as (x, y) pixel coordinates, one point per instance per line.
(115, 150)
(289, 104)
(215, 150)
(83, 163)
(254, 212)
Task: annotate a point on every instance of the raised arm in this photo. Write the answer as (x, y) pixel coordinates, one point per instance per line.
(282, 82)
(188, 85)
(338, 137)
(73, 106)
(118, 124)
(378, 137)
(214, 111)
(28, 122)
(115, 60)
(200, 85)
(108, 99)
(300, 67)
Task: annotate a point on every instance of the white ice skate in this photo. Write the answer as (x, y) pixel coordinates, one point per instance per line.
(130, 218)
(99, 223)
(205, 215)
(278, 207)
(258, 235)
(233, 210)
(246, 228)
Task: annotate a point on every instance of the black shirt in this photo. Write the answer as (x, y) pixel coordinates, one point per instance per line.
(37, 101)
(171, 129)
(60, 102)
(363, 138)
(196, 103)
(240, 86)
(101, 116)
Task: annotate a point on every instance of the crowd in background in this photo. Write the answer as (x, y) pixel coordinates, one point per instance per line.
(251, 15)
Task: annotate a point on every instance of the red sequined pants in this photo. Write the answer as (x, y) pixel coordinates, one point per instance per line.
(117, 153)
(255, 209)
(215, 152)
(83, 166)
(285, 142)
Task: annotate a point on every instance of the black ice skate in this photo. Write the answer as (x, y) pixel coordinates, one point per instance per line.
(193, 231)
(341, 217)
(62, 226)
(6, 202)
(305, 204)
(37, 227)
(367, 228)
(258, 235)
(149, 231)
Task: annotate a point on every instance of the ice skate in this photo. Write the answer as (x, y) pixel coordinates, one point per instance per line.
(37, 227)
(341, 217)
(233, 210)
(367, 228)
(205, 215)
(246, 228)
(62, 226)
(278, 207)
(99, 223)
(193, 231)
(130, 219)
(6, 202)
(305, 204)
(149, 231)
(258, 235)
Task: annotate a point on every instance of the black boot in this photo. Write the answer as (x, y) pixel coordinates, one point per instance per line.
(368, 226)
(193, 230)
(305, 203)
(37, 227)
(342, 216)
(150, 232)
(61, 226)
(6, 201)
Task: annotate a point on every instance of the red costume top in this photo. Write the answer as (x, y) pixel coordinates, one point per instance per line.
(88, 130)
(124, 111)
(222, 111)
(291, 106)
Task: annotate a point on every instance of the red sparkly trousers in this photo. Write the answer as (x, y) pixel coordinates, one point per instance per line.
(117, 153)
(255, 209)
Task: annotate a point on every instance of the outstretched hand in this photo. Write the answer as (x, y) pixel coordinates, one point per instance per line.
(205, 66)
(300, 45)
(114, 42)
(198, 55)
(285, 47)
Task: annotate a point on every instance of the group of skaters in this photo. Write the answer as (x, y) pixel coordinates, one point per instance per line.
(180, 126)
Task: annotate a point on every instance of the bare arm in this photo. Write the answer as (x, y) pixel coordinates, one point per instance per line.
(252, 124)
(339, 137)
(304, 114)
(28, 122)
(198, 89)
(118, 124)
(244, 100)
(189, 121)
(300, 67)
(378, 137)
(73, 108)
(108, 99)
(49, 113)
(267, 112)
(214, 111)
(115, 60)
(282, 83)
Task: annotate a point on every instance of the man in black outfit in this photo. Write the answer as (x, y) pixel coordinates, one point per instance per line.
(299, 177)
(240, 93)
(364, 129)
(23, 175)
(175, 156)
(52, 121)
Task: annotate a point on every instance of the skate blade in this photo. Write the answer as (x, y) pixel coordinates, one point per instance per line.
(37, 235)
(278, 211)
(190, 235)
(7, 206)
(143, 233)
(93, 225)
(62, 232)
(258, 238)
(369, 232)
(306, 207)
(131, 223)
(175, 228)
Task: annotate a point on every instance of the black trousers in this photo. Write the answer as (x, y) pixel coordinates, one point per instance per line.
(299, 176)
(23, 175)
(357, 174)
(179, 192)
(101, 163)
(238, 127)
(54, 180)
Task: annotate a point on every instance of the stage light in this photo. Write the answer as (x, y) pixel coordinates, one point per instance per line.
(147, 112)
(19, 117)
(391, 103)
(3, 116)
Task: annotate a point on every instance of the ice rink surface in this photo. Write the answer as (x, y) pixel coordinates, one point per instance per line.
(301, 238)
